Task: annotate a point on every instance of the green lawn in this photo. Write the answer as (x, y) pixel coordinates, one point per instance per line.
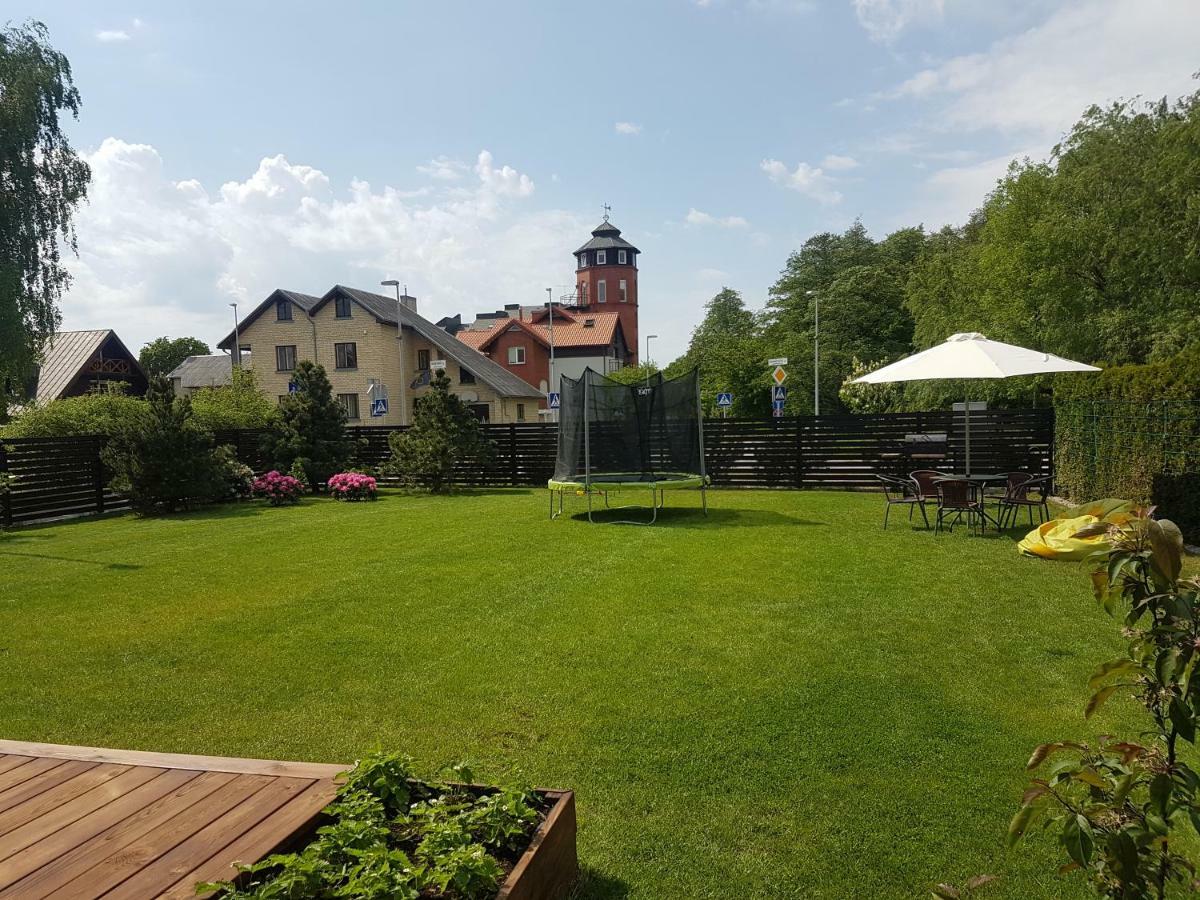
(781, 700)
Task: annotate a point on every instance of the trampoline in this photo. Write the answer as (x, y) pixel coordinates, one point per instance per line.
(617, 438)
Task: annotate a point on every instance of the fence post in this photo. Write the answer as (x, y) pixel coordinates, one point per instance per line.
(6, 515)
(512, 454)
(98, 472)
(799, 481)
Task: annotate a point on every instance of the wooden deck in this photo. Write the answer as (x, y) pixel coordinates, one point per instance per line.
(80, 822)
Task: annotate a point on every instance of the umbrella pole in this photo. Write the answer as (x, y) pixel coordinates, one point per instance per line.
(967, 430)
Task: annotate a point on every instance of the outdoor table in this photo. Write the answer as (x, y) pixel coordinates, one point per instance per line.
(981, 481)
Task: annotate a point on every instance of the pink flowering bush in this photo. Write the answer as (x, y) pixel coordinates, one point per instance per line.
(351, 486)
(277, 488)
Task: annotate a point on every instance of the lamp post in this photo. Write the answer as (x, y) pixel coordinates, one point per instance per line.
(550, 306)
(816, 351)
(646, 361)
(235, 358)
(393, 283)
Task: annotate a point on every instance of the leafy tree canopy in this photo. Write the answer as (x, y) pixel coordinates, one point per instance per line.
(311, 428)
(161, 355)
(239, 404)
(443, 432)
(42, 179)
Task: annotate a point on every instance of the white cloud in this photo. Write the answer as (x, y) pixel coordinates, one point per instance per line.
(696, 217)
(1037, 82)
(805, 179)
(835, 163)
(884, 20)
(443, 168)
(712, 276)
(113, 36)
(627, 128)
(159, 256)
(949, 195)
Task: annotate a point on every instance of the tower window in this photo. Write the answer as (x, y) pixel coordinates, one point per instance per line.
(601, 257)
(601, 291)
(583, 260)
(624, 292)
(621, 257)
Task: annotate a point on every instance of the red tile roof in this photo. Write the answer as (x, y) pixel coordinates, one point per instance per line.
(577, 333)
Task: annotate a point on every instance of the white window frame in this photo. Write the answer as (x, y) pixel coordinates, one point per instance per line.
(601, 291)
(343, 400)
(583, 260)
(601, 257)
(624, 291)
(621, 257)
(516, 355)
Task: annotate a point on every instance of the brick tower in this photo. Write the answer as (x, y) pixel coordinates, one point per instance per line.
(606, 279)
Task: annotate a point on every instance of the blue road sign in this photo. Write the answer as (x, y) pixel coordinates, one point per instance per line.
(292, 387)
(777, 405)
(552, 400)
(379, 407)
(778, 393)
(724, 400)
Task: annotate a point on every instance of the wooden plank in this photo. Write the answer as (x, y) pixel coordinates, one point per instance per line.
(214, 842)
(83, 843)
(33, 786)
(57, 796)
(34, 767)
(175, 760)
(11, 761)
(268, 836)
(139, 845)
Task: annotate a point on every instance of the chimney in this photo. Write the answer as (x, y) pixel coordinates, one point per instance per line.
(409, 303)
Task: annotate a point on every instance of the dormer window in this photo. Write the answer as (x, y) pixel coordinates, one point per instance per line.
(283, 310)
(341, 307)
(621, 257)
(601, 257)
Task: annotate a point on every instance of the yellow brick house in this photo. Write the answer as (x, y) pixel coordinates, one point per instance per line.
(373, 348)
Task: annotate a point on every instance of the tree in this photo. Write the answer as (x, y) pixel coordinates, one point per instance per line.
(164, 461)
(634, 374)
(727, 349)
(311, 428)
(444, 431)
(42, 180)
(239, 404)
(161, 355)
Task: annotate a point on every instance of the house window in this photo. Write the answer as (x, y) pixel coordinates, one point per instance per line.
(283, 310)
(349, 404)
(601, 292)
(341, 307)
(516, 356)
(346, 355)
(624, 291)
(601, 257)
(282, 397)
(422, 360)
(621, 255)
(465, 377)
(285, 358)
(583, 260)
(481, 411)
(520, 412)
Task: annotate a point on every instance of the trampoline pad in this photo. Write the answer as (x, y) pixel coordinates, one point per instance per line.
(615, 481)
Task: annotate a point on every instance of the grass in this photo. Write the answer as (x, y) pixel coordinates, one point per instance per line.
(781, 700)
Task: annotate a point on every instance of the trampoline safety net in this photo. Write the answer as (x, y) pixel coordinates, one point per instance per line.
(638, 431)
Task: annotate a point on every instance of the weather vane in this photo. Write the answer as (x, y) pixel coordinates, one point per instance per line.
(607, 210)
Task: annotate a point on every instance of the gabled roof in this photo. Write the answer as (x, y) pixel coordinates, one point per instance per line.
(205, 371)
(388, 311)
(306, 302)
(66, 353)
(605, 236)
(568, 332)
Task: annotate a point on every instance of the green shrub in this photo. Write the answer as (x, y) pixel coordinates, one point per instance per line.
(444, 431)
(239, 404)
(164, 461)
(310, 428)
(108, 412)
(237, 478)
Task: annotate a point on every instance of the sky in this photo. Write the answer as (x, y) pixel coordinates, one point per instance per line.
(466, 149)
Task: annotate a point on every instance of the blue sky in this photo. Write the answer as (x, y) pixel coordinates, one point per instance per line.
(466, 148)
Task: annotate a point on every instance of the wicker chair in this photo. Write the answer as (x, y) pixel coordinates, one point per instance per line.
(901, 492)
(1023, 490)
(958, 497)
(926, 480)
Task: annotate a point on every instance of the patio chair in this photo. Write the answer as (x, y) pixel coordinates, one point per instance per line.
(901, 492)
(958, 497)
(925, 479)
(1023, 490)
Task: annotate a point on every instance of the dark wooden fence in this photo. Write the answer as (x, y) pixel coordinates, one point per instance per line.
(64, 476)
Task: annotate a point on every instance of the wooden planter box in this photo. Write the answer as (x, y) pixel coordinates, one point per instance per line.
(549, 865)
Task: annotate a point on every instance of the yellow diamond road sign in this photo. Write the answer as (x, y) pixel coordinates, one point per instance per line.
(779, 376)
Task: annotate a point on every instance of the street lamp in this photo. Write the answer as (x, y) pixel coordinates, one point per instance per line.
(392, 282)
(235, 358)
(550, 306)
(646, 361)
(816, 351)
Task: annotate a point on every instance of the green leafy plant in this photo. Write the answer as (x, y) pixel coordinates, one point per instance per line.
(1120, 807)
(239, 404)
(237, 478)
(392, 836)
(444, 431)
(311, 428)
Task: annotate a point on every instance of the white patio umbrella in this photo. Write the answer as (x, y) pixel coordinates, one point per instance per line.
(971, 355)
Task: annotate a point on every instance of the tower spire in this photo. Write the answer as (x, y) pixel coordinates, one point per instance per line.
(607, 210)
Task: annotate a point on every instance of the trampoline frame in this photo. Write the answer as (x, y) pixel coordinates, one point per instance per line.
(599, 485)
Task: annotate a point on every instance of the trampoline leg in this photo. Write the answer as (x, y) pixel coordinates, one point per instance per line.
(704, 499)
(589, 498)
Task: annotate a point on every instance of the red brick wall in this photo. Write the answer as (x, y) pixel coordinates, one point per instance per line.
(537, 358)
(627, 311)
